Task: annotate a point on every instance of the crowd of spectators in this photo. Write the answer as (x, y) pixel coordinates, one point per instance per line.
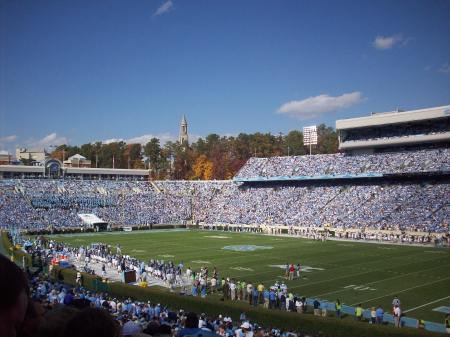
(428, 160)
(416, 207)
(381, 205)
(35, 305)
(402, 207)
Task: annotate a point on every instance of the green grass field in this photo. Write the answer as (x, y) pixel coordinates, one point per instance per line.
(354, 272)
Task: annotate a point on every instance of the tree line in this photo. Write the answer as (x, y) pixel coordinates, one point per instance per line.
(212, 157)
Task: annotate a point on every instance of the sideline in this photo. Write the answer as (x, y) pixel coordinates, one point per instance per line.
(144, 231)
(382, 280)
(429, 245)
(401, 291)
(426, 304)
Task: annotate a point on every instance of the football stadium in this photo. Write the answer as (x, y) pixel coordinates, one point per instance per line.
(234, 168)
(354, 243)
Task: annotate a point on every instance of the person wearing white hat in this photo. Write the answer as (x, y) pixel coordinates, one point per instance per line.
(244, 331)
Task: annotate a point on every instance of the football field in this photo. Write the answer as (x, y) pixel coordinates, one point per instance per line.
(370, 274)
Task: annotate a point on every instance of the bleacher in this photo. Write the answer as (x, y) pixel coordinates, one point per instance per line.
(406, 190)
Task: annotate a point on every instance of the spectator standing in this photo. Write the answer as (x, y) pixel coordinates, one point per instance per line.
(379, 315)
(338, 308)
(395, 302)
(397, 316)
(373, 315)
(316, 305)
(255, 295)
(358, 312)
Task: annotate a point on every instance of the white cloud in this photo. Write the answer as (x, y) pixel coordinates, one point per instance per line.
(164, 8)
(445, 69)
(8, 139)
(51, 139)
(112, 140)
(144, 139)
(6, 144)
(318, 105)
(387, 42)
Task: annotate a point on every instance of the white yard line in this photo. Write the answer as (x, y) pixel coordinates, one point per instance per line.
(426, 304)
(401, 291)
(382, 280)
(349, 275)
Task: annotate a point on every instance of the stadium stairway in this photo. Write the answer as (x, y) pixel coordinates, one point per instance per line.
(155, 187)
(329, 201)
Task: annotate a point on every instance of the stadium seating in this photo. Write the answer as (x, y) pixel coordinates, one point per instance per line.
(382, 204)
(341, 164)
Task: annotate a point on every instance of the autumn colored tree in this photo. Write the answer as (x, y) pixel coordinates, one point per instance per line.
(202, 168)
(63, 152)
(211, 157)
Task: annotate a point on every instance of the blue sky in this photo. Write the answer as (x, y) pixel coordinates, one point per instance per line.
(83, 71)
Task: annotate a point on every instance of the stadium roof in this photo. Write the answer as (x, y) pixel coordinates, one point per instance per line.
(396, 117)
(110, 171)
(75, 170)
(21, 169)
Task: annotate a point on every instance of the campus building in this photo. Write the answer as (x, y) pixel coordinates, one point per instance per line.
(5, 158)
(34, 155)
(53, 168)
(77, 160)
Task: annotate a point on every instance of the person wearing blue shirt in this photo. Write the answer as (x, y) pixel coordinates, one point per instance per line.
(138, 310)
(255, 295)
(266, 295)
(379, 315)
(68, 298)
(157, 310)
(151, 311)
(316, 305)
(272, 299)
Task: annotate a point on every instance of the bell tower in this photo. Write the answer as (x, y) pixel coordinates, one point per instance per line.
(183, 136)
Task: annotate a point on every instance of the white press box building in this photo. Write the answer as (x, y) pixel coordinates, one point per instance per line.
(387, 130)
